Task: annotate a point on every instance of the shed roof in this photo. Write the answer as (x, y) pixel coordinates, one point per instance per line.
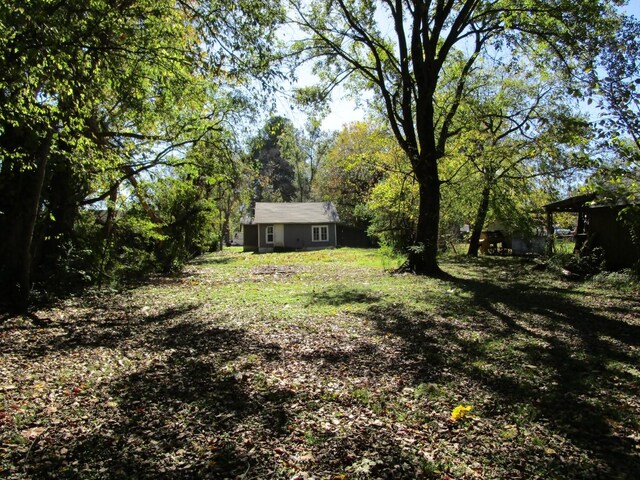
(312, 212)
(590, 200)
(571, 204)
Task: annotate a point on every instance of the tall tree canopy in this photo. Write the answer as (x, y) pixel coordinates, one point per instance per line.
(92, 93)
(618, 86)
(276, 180)
(517, 126)
(400, 49)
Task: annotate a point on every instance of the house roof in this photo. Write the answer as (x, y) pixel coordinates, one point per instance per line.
(312, 212)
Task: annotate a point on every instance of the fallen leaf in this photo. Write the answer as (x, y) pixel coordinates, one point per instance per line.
(33, 433)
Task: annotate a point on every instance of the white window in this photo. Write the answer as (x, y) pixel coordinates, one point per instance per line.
(268, 234)
(320, 233)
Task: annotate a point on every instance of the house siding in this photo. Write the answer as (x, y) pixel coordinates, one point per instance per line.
(296, 236)
(262, 232)
(299, 236)
(292, 226)
(250, 238)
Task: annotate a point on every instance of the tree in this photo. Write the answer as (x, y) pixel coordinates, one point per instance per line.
(305, 148)
(218, 170)
(393, 204)
(106, 90)
(618, 86)
(276, 174)
(350, 171)
(404, 67)
(517, 128)
(369, 178)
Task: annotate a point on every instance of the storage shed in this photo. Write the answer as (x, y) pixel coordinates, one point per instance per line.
(598, 226)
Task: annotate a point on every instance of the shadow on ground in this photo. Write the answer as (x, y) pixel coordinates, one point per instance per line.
(533, 350)
(341, 295)
(194, 398)
(163, 416)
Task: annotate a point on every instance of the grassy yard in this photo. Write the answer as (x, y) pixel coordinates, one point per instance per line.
(326, 365)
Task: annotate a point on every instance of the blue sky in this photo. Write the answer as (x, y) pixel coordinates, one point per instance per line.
(344, 109)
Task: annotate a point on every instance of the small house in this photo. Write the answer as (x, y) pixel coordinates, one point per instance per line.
(291, 226)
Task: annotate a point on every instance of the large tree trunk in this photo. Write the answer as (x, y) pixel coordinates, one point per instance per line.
(226, 229)
(481, 216)
(423, 257)
(19, 225)
(62, 194)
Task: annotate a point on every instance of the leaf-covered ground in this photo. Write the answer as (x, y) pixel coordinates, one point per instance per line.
(324, 365)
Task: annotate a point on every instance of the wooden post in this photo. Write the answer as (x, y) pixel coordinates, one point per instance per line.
(580, 231)
(550, 232)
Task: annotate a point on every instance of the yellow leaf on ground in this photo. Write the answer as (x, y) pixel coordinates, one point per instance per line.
(459, 412)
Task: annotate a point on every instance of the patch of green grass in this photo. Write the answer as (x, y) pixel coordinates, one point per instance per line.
(622, 281)
(564, 246)
(430, 391)
(312, 439)
(361, 395)
(509, 432)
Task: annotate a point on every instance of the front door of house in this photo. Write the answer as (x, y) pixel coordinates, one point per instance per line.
(278, 235)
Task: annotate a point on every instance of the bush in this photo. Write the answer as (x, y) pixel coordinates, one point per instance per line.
(621, 280)
(583, 265)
